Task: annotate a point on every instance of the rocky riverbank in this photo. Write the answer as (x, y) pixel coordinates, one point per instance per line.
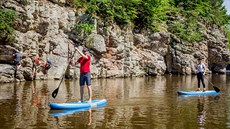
(46, 26)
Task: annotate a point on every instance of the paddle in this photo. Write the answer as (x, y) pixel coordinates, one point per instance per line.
(55, 92)
(215, 88)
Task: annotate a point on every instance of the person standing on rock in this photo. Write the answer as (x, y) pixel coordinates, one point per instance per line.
(36, 63)
(200, 72)
(85, 76)
(17, 61)
(46, 67)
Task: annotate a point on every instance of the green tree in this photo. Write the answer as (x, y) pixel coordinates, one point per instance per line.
(152, 13)
(120, 11)
(194, 12)
(7, 18)
(182, 17)
(211, 11)
(228, 34)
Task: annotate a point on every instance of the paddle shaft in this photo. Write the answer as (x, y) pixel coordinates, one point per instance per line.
(55, 92)
(208, 80)
(61, 81)
(67, 67)
(215, 88)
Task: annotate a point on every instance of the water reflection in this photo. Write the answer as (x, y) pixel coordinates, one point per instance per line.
(201, 113)
(150, 102)
(30, 99)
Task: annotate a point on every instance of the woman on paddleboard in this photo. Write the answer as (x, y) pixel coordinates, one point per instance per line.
(200, 72)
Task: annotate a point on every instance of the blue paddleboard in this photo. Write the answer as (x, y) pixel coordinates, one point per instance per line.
(208, 92)
(56, 113)
(78, 105)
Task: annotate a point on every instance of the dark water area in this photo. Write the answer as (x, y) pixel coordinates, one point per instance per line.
(133, 103)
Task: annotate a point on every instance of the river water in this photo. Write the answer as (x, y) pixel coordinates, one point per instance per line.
(133, 103)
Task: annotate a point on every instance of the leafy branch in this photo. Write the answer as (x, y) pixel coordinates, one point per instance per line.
(7, 18)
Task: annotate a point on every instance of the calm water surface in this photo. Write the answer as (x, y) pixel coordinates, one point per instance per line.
(133, 103)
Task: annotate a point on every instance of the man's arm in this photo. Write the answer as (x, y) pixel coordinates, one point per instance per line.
(84, 56)
(72, 63)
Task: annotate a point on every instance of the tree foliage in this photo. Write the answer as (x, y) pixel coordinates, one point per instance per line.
(211, 11)
(7, 18)
(120, 11)
(228, 34)
(152, 14)
(180, 17)
(196, 12)
(183, 17)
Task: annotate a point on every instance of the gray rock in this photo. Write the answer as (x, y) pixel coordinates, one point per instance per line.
(96, 42)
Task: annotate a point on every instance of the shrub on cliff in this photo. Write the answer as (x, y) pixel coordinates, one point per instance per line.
(7, 18)
(152, 14)
(194, 14)
(229, 40)
(183, 17)
(144, 13)
(120, 11)
(228, 34)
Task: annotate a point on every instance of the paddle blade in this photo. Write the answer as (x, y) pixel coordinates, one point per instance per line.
(216, 89)
(55, 92)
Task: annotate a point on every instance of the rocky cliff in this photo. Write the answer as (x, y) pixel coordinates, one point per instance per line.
(46, 26)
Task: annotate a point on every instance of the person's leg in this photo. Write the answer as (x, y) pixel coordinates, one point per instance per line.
(202, 80)
(88, 82)
(81, 93)
(81, 81)
(19, 65)
(46, 73)
(198, 79)
(89, 93)
(16, 69)
(43, 72)
(34, 71)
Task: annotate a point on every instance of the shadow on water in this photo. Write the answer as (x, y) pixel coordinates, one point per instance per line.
(150, 102)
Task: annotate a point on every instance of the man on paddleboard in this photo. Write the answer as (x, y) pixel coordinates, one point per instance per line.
(85, 76)
(200, 72)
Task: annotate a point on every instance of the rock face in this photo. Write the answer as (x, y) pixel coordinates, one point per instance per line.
(42, 27)
(46, 26)
(218, 53)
